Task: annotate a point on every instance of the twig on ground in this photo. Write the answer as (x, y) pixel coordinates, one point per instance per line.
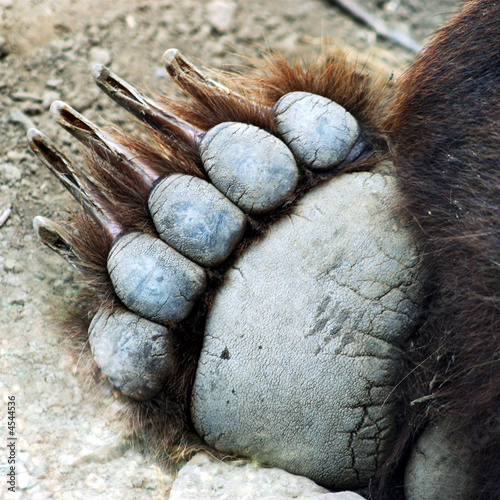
(4, 216)
(361, 15)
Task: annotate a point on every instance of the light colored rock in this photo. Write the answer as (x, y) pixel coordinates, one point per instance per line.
(99, 55)
(49, 97)
(9, 173)
(209, 479)
(440, 466)
(301, 349)
(4, 47)
(220, 14)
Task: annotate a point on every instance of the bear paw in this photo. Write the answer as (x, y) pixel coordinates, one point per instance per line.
(247, 264)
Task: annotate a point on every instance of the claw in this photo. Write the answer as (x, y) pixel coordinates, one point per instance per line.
(75, 181)
(97, 139)
(141, 106)
(190, 78)
(56, 238)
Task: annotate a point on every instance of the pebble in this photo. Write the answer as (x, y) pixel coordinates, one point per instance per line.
(288, 44)
(220, 15)
(31, 108)
(96, 482)
(49, 97)
(25, 96)
(99, 55)
(10, 172)
(204, 477)
(64, 45)
(160, 72)
(19, 117)
(131, 22)
(12, 265)
(54, 83)
(16, 156)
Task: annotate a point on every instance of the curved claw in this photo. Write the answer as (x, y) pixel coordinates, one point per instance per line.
(56, 238)
(141, 106)
(97, 139)
(74, 180)
(189, 77)
(194, 82)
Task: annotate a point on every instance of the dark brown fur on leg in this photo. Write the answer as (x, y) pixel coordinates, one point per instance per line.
(444, 132)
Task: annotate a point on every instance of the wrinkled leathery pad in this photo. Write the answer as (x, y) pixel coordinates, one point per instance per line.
(133, 352)
(154, 280)
(318, 131)
(300, 351)
(193, 217)
(251, 167)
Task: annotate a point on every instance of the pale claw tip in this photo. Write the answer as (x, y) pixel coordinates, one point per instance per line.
(169, 56)
(32, 136)
(39, 144)
(39, 221)
(56, 109)
(99, 72)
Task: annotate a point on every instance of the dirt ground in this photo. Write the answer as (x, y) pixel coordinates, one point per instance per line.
(66, 446)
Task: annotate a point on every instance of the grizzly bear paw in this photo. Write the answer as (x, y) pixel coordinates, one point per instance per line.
(250, 276)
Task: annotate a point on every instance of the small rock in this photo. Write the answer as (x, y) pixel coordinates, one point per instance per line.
(288, 44)
(12, 265)
(17, 116)
(31, 108)
(96, 483)
(10, 172)
(4, 215)
(24, 479)
(25, 96)
(160, 72)
(207, 478)
(272, 22)
(99, 55)
(16, 156)
(220, 15)
(49, 97)
(63, 45)
(54, 83)
(131, 22)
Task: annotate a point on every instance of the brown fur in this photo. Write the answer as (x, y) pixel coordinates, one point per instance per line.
(444, 132)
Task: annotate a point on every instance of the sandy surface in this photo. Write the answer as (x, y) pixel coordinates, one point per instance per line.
(67, 446)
